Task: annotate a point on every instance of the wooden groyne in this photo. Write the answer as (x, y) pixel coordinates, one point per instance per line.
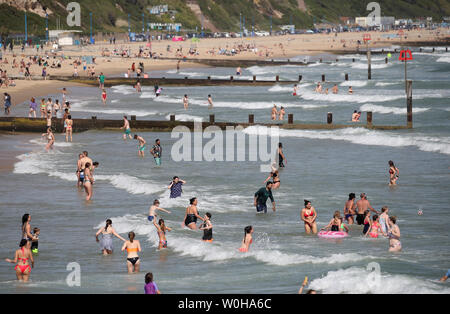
(39, 125)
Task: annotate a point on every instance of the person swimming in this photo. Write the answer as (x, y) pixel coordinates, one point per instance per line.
(248, 239)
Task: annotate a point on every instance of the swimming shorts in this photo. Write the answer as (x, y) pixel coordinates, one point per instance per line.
(360, 219)
(158, 161)
(142, 148)
(261, 207)
(128, 131)
(347, 216)
(190, 218)
(150, 218)
(164, 244)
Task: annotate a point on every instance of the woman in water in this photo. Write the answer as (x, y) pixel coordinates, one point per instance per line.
(281, 157)
(393, 173)
(190, 218)
(394, 235)
(26, 228)
(384, 218)
(248, 239)
(276, 179)
(349, 208)
(309, 215)
(207, 228)
(161, 229)
(367, 222)
(68, 123)
(133, 247)
(50, 139)
(22, 258)
(107, 233)
(88, 180)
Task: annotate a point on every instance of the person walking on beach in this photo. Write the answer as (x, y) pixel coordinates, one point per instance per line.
(247, 240)
(7, 104)
(185, 102)
(362, 205)
(126, 127)
(107, 232)
(33, 107)
(22, 257)
(393, 173)
(141, 146)
(150, 286)
(156, 151)
(261, 197)
(101, 81)
(349, 208)
(161, 228)
(308, 215)
(133, 247)
(69, 126)
(191, 215)
(175, 187)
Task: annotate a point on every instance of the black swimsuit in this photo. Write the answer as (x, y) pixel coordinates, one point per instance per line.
(207, 234)
(190, 218)
(133, 260)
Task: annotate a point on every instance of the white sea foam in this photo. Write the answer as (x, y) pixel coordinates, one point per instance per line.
(123, 89)
(363, 136)
(355, 98)
(354, 83)
(394, 110)
(360, 281)
(363, 66)
(185, 117)
(443, 59)
(385, 83)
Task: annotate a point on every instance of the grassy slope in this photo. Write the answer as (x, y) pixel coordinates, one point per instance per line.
(223, 13)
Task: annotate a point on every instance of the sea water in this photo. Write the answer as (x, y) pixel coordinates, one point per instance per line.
(323, 166)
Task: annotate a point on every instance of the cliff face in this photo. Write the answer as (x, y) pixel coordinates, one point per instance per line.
(27, 5)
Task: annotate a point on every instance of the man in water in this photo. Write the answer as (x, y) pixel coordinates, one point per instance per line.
(261, 197)
(362, 205)
(81, 166)
(274, 113)
(210, 102)
(156, 152)
(141, 147)
(126, 126)
(238, 71)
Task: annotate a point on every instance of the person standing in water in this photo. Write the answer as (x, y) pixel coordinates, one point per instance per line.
(335, 89)
(274, 113)
(207, 228)
(191, 215)
(210, 102)
(394, 235)
(281, 157)
(126, 127)
(175, 187)
(308, 215)
(141, 146)
(26, 228)
(22, 257)
(185, 102)
(161, 228)
(156, 151)
(107, 232)
(247, 240)
(362, 205)
(349, 208)
(133, 247)
(69, 126)
(150, 286)
(294, 93)
(238, 71)
(282, 113)
(104, 96)
(261, 197)
(50, 139)
(375, 228)
(384, 219)
(152, 210)
(393, 173)
(89, 181)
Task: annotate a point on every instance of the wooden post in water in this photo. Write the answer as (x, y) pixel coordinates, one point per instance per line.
(369, 65)
(211, 118)
(323, 77)
(300, 78)
(133, 118)
(254, 78)
(409, 114)
(329, 118)
(386, 60)
(369, 118)
(290, 118)
(231, 78)
(209, 78)
(172, 118)
(251, 118)
(346, 76)
(277, 78)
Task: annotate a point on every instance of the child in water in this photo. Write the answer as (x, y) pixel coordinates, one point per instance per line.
(35, 243)
(248, 231)
(207, 228)
(161, 229)
(150, 287)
